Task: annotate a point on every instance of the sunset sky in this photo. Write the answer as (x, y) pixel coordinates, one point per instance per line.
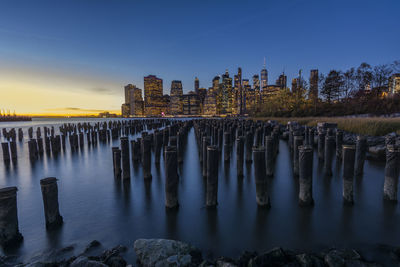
(74, 57)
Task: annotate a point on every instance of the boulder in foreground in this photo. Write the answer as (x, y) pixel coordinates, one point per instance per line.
(164, 252)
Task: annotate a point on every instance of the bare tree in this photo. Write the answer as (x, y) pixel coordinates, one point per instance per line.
(349, 78)
(380, 75)
(363, 76)
(396, 66)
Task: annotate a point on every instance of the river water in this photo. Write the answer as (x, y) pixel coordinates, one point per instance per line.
(96, 206)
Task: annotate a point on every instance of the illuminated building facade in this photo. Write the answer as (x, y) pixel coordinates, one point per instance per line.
(154, 102)
(134, 105)
(394, 84)
(176, 103)
(282, 81)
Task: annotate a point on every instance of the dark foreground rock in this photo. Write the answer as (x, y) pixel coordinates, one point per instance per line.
(163, 252)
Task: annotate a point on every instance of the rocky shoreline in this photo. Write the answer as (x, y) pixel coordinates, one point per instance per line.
(376, 144)
(164, 252)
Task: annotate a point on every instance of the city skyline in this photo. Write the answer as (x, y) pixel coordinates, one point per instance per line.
(70, 54)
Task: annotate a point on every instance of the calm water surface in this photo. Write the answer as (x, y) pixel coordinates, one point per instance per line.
(96, 206)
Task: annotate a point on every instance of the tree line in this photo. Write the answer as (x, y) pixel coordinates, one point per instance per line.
(361, 90)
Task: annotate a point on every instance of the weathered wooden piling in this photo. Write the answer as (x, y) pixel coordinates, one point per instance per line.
(6, 151)
(47, 144)
(297, 142)
(339, 143)
(9, 230)
(117, 162)
(158, 146)
(146, 157)
(269, 155)
(20, 134)
(392, 170)
(33, 150)
(13, 149)
(206, 142)
(50, 202)
(126, 166)
(171, 177)
(328, 157)
(361, 151)
(321, 144)
(349, 153)
(40, 145)
(311, 134)
(305, 175)
(249, 146)
(173, 140)
(239, 155)
(212, 177)
(262, 197)
(227, 147)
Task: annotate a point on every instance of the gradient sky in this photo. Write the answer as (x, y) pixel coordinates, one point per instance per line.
(76, 56)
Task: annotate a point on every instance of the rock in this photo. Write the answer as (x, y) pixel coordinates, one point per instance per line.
(309, 260)
(377, 152)
(92, 245)
(225, 264)
(83, 261)
(245, 257)
(274, 258)
(335, 258)
(164, 252)
(115, 261)
(112, 252)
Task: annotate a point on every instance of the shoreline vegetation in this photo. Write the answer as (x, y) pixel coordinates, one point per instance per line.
(372, 126)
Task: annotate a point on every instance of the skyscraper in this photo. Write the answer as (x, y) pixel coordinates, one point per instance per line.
(128, 88)
(226, 94)
(264, 77)
(176, 88)
(282, 81)
(133, 105)
(256, 82)
(313, 93)
(176, 101)
(196, 85)
(240, 90)
(153, 95)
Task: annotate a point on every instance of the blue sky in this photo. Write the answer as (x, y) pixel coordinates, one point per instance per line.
(90, 45)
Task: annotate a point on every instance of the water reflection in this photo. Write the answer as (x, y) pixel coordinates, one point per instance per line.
(97, 206)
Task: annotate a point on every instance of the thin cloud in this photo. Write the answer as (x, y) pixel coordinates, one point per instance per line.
(76, 109)
(102, 90)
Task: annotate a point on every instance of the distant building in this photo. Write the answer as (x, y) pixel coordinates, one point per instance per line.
(125, 110)
(269, 91)
(294, 85)
(256, 82)
(394, 84)
(225, 95)
(264, 78)
(282, 81)
(176, 103)
(202, 92)
(134, 105)
(313, 93)
(191, 104)
(154, 103)
(210, 103)
(196, 85)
